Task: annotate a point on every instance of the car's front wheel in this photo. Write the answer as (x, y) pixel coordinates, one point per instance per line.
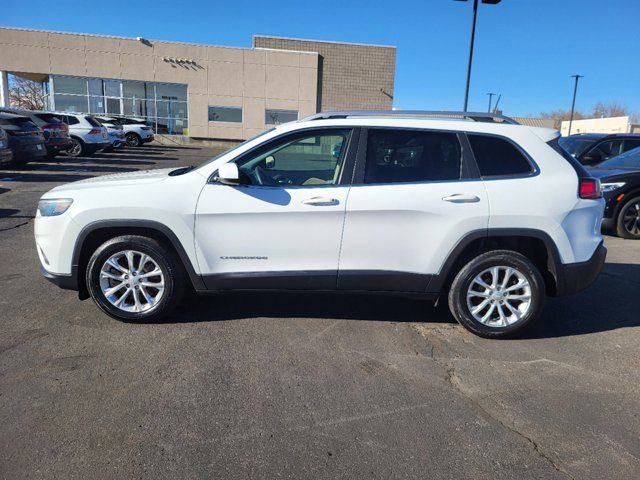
(135, 278)
(133, 140)
(497, 294)
(628, 223)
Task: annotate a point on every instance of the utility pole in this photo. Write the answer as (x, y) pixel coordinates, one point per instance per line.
(490, 98)
(573, 103)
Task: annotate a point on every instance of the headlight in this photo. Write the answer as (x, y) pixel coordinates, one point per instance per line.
(54, 206)
(610, 187)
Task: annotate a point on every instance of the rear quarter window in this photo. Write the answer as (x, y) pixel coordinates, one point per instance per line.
(497, 157)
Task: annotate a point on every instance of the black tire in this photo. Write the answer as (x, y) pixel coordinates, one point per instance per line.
(77, 149)
(628, 221)
(133, 139)
(460, 307)
(165, 259)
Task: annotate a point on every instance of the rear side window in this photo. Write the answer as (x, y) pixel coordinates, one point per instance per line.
(72, 120)
(92, 121)
(497, 157)
(48, 117)
(395, 156)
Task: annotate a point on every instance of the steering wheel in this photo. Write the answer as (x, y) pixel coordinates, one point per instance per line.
(261, 177)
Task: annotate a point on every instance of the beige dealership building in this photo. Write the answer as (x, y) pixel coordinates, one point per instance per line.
(201, 91)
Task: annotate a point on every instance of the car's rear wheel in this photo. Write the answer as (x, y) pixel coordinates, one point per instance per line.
(77, 148)
(135, 278)
(133, 140)
(628, 223)
(497, 294)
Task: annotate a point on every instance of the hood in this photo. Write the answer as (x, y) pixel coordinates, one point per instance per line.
(118, 179)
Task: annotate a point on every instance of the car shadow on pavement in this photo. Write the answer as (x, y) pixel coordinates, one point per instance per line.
(609, 304)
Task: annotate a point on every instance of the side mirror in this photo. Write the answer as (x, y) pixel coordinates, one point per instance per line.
(270, 162)
(228, 174)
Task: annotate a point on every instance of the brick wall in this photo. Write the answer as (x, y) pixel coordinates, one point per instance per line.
(350, 76)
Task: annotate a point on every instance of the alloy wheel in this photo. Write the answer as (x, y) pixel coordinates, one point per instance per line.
(132, 281)
(499, 296)
(132, 141)
(76, 149)
(631, 219)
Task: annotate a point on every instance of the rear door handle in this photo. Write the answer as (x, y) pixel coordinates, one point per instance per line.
(461, 198)
(321, 201)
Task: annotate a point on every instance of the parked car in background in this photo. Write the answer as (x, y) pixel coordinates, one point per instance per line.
(594, 148)
(6, 156)
(136, 131)
(55, 131)
(87, 134)
(25, 137)
(115, 132)
(397, 202)
(620, 180)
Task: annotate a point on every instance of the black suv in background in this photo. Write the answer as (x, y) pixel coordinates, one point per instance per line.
(55, 131)
(6, 156)
(594, 148)
(620, 184)
(25, 137)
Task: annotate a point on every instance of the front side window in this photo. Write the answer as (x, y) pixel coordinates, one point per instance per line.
(496, 156)
(225, 114)
(305, 159)
(395, 156)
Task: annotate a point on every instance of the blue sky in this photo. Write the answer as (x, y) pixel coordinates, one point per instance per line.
(525, 49)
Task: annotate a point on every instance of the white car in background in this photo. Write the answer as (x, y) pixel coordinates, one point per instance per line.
(136, 131)
(87, 134)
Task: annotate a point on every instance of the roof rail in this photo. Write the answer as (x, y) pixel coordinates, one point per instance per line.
(471, 116)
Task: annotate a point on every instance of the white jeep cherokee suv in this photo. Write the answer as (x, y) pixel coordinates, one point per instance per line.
(473, 206)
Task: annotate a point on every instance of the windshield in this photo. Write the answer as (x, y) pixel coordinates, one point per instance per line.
(627, 160)
(236, 147)
(575, 145)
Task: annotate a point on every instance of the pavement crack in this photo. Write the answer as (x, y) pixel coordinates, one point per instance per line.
(17, 226)
(453, 380)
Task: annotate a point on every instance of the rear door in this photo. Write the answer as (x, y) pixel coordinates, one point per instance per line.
(415, 194)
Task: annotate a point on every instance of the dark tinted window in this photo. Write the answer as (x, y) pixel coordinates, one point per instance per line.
(630, 144)
(411, 156)
(72, 120)
(92, 121)
(48, 117)
(496, 156)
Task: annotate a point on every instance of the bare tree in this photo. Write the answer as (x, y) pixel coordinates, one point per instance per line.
(25, 93)
(613, 109)
(560, 115)
(599, 110)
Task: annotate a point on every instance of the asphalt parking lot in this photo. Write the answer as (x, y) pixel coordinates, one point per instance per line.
(304, 386)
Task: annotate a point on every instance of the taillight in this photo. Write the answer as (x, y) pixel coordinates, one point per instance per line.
(95, 131)
(590, 188)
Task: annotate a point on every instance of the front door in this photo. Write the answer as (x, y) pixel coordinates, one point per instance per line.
(282, 227)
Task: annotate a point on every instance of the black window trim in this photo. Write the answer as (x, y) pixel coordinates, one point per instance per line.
(535, 170)
(468, 169)
(346, 175)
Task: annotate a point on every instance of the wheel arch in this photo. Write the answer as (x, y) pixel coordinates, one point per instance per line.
(96, 233)
(536, 245)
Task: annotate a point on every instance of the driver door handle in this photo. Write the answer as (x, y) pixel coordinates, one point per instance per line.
(461, 198)
(321, 201)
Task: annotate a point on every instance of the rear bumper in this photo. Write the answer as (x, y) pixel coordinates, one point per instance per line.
(58, 144)
(574, 277)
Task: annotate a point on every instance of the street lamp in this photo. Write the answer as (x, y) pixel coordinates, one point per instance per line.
(573, 103)
(473, 37)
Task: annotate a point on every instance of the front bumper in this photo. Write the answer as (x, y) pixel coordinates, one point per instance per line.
(574, 277)
(67, 282)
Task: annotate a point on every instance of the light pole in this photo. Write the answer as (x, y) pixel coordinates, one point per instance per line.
(490, 98)
(573, 103)
(473, 37)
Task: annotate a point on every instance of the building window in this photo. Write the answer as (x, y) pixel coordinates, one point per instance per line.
(225, 114)
(276, 117)
(163, 106)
